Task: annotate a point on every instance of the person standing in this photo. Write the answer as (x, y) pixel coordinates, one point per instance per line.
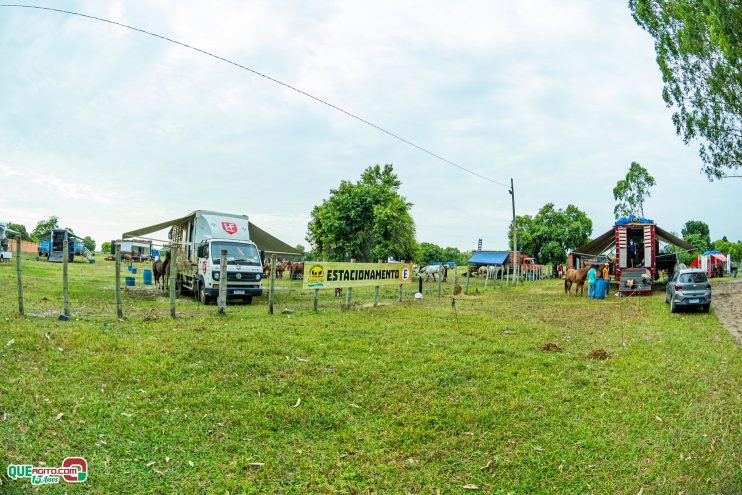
(592, 278)
(607, 277)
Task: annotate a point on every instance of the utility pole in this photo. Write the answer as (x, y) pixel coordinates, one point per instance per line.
(515, 234)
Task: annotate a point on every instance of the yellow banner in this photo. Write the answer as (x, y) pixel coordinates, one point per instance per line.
(330, 275)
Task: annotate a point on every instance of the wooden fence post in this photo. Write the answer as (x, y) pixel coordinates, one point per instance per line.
(401, 289)
(315, 303)
(19, 279)
(507, 277)
(376, 295)
(272, 285)
(468, 276)
(173, 267)
(349, 292)
(65, 286)
(119, 309)
(440, 275)
(222, 299)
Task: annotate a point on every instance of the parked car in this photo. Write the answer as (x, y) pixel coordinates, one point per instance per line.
(688, 288)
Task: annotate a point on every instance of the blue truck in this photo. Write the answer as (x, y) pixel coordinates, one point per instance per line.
(53, 247)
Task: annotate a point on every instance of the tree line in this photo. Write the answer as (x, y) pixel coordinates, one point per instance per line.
(368, 220)
(42, 229)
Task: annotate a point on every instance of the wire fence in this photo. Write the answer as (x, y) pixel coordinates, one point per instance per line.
(91, 293)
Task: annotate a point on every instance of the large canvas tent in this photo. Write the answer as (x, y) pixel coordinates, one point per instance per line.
(262, 239)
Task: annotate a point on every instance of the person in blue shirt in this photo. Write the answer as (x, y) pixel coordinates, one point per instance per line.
(592, 278)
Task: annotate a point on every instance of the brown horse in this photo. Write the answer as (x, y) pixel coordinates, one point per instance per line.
(160, 269)
(576, 277)
(296, 269)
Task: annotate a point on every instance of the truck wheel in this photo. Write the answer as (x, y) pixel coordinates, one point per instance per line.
(205, 300)
(673, 307)
(247, 299)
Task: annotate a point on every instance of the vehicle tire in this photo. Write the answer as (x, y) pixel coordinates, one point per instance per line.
(667, 299)
(202, 297)
(178, 288)
(673, 307)
(247, 299)
(705, 308)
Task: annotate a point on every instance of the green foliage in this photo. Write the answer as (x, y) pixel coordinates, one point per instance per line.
(43, 227)
(431, 253)
(727, 247)
(89, 243)
(699, 228)
(106, 247)
(20, 229)
(551, 232)
(631, 193)
(300, 248)
(366, 220)
(699, 48)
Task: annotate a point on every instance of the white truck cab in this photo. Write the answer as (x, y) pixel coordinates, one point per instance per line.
(205, 236)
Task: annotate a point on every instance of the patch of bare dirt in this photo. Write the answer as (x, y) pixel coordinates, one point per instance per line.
(551, 347)
(599, 354)
(726, 299)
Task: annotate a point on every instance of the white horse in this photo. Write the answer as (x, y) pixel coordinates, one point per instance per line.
(430, 270)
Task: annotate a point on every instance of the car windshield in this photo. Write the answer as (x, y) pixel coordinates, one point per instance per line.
(692, 278)
(236, 253)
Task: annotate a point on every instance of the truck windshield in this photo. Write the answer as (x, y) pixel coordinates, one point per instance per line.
(236, 253)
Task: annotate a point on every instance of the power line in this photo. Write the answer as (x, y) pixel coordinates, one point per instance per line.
(272, 79)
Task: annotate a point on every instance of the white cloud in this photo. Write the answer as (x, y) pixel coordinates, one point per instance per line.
(560, 95)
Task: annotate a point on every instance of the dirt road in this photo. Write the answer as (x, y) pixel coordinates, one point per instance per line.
(726, 300)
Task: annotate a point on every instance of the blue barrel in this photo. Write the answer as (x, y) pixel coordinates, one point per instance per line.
(600, 288)
(133, 271)
(91, 261)
(130, 281)
(128, 267)
(37, 258)
(147, 277)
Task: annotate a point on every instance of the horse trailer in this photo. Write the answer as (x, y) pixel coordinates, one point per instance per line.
(635, 242)
(133, 249)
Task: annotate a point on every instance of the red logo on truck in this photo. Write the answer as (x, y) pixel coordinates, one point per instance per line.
(229, 227)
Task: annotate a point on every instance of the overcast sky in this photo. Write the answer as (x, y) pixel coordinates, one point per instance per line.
(112, 130)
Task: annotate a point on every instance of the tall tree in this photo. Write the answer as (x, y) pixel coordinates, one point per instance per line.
(429, 253)
(631, 192)
(552, 232)
(105, 247)
(44, 226)
(366, 220)
(699, 49)
(89, 243)
(699, 228)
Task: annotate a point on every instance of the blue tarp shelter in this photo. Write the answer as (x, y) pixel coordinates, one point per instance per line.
(489, 258)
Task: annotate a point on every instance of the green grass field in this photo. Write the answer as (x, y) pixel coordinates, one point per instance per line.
(411, 397)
